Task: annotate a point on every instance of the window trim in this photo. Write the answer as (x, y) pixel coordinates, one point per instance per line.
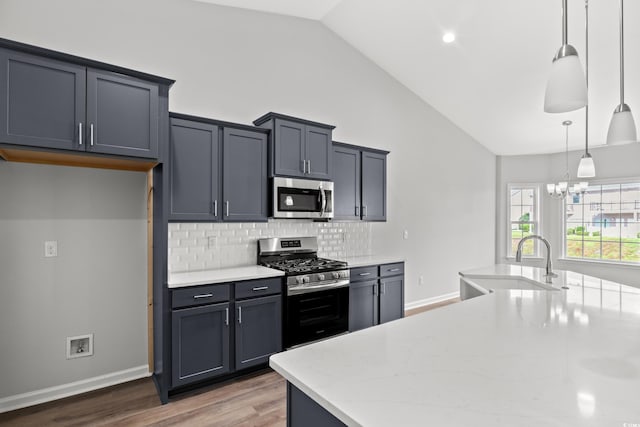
(563, 227)
(536, 186)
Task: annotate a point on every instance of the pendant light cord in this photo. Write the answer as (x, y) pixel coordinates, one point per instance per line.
(621, 53)
(586, 73)
(566, 147)
(565, 23)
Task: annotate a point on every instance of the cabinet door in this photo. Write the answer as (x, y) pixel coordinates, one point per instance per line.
(193, 171)
(244, 175)
(346, 178)
(318, 147)
(374, 189)
(43, 101)
(289, 148)
(391, 298)
(200, 343)
(363, 305)
(258, 330)
(122, 115)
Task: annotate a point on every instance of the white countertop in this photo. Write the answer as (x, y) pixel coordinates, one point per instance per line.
(363, 261)
(204, 277)
(509, 358)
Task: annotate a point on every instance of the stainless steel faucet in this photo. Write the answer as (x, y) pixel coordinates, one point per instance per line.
(549, 273)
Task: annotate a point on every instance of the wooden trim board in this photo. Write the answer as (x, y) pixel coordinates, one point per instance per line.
(72, 159)
(150, 268)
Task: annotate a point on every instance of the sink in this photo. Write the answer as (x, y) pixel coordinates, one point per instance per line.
(470, 288)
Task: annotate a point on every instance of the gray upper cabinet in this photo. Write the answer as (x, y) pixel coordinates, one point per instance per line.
(194, 162)
(299, 148)
(218, 171)
(374, 186)
(122, 115)
(360, 177)
(52, 104)
(244, 175)
(43, 101)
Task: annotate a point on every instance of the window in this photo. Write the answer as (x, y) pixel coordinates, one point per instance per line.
(523, 218)
(604, 223)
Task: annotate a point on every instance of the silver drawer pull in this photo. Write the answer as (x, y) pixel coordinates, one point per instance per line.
(239, 314)
(260, 288)
(364, 274)
(226, 311)
(394, 269)
(202, 296)
(80, 133)
(91, 133)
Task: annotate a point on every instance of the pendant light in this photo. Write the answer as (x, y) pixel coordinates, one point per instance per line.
(586, 168)
(564, 187)
(566, 88)
(622, 128)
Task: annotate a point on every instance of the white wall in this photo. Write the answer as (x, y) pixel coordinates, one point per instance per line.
(97, 283)
(611, 163)
(235, 65)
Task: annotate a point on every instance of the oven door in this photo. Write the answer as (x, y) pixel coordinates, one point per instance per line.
(314, 315)
(302, 198)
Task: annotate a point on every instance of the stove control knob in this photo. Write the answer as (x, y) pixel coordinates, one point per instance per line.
(300, 280)
(305, 279)
(320, 276)
(336, 275)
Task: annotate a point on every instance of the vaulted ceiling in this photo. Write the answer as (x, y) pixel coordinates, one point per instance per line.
(490, 81)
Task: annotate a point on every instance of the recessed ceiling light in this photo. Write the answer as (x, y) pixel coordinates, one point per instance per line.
(448, 37)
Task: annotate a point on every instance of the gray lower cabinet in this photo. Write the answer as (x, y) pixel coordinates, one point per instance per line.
(205, 344)
(303, 411)
(258, 330)
(200, 343)
(48, 103)
(299, 148)
(376, 295)
(360, 177)
(217, 172)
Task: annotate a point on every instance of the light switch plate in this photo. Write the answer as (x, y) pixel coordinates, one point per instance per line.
(51, 248)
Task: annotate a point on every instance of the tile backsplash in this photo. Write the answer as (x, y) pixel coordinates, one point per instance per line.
(204, 246)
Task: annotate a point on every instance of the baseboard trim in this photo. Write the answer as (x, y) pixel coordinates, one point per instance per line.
(65, 390)
(432, 300)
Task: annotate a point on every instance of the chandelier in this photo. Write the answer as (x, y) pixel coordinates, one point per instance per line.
(564, 187)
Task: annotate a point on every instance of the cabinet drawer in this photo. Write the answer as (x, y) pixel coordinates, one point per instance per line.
(199, 295)
(364, 273)
(395, 269)
(258, 288)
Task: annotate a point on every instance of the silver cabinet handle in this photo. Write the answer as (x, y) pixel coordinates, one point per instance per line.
(239, 314)
(383, 289)
(357, 210)
(215, 208)
(80, 133)
(91, 133)
(226, 204)
(202, 296)
(393, 269)
(375, 289)
(260, 288)
(308, 166)
(364, 211)
(304, 166)
(226, 311)
(364, 274)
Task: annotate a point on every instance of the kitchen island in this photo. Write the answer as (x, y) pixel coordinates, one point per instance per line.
(566, 357)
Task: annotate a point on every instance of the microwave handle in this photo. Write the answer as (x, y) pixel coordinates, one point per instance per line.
(324, 201)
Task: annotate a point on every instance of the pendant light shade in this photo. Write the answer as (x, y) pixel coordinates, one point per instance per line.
(566, 88)
(586, 168)
(622, 128)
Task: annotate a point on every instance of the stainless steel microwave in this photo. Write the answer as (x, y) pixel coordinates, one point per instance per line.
(302, 198)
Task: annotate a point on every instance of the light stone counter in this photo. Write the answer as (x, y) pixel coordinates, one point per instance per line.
(363, 261)
(236, 274)
(509, 358)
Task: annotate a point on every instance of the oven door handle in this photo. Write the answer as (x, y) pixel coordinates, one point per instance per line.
(324, 201)
(297, 290)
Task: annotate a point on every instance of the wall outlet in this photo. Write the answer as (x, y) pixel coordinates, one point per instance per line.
(212, 242)
(421, 280)
(405, 234)
(51, 248)
(80, 346)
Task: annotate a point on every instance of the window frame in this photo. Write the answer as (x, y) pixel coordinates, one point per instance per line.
(563, 228)
(537, 223)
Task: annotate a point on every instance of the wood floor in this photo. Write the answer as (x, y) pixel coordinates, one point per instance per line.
(258, 400)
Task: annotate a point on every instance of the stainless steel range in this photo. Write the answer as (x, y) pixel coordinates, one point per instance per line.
(317, 303)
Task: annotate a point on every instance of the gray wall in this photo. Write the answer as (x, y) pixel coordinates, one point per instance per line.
(235, 65)
(97, 284)
(611, 163)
